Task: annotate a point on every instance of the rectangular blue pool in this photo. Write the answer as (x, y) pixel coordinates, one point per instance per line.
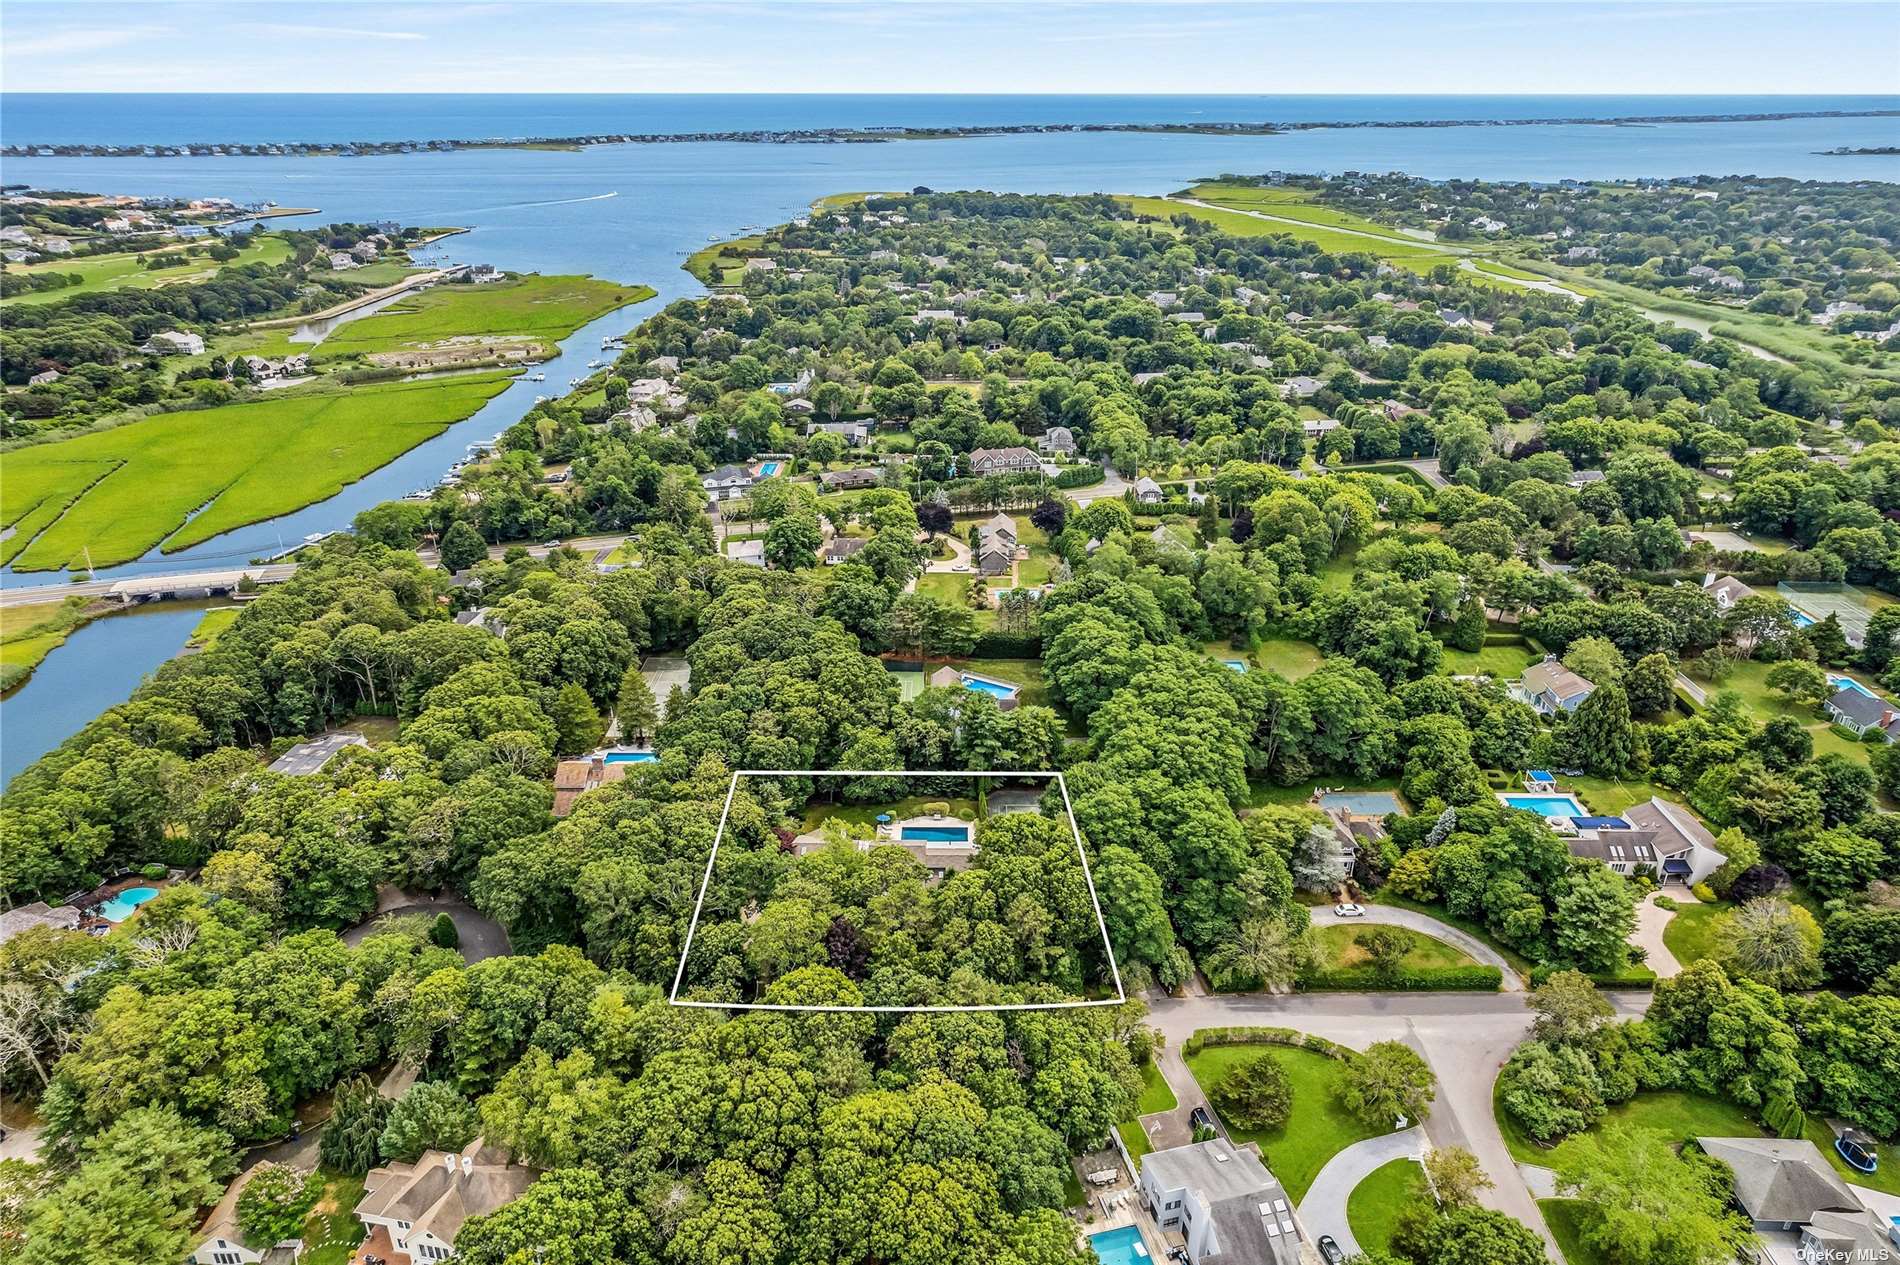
(983, 685)
(1849, 683)
(935, 834)
(628, 757)
(1236, 665)
(1547, 805)
(1119, 1247)
(769, 469)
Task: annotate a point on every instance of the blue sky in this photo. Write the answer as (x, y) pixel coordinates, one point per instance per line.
(1136, 46)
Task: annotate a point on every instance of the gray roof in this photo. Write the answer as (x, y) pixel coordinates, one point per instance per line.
(1782, 1179)
(1633, 846)
(1555, 679)
(1674, 827)
(1851, 1236)
(430, 1198)
(1860, 707)
(37, 914)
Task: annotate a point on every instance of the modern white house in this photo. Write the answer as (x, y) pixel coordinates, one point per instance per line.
(412, 1212)
(1223, 1202)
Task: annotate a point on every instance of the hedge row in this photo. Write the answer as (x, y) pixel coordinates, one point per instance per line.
(1362, 979)
(1632, 976)
(1080, 477)
(1205, 1037)
(998, 645)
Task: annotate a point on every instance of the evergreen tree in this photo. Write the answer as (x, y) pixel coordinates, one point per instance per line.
(1652, 685)
(1467, 631)
(462, 547)
(577, 720)
(357, 1119)
(1601, 734)
(638, 714)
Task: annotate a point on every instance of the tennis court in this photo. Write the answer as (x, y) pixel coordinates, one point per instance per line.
(1819, 599)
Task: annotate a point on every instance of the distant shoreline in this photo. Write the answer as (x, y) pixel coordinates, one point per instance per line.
(1860, 151)
(877, 135)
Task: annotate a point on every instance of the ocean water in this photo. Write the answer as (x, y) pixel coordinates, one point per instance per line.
(633, 213)
(185, 118)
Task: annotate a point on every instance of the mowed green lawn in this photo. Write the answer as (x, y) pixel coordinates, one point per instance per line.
(127, 271)
(542, 308)
(1404, 252)
(1339, 949)
(1690, 934)
(1372, 1210)
(119, 492)
(1750, 680)
(1319, 1127)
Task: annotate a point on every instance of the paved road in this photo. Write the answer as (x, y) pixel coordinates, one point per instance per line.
(1427, 925)
(1387, 239)
(1465, 1037)
(1324, 1208)
(480, 936)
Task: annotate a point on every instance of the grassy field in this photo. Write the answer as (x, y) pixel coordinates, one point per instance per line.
(1372, 1210)
(127, 271)
(1779, 336)
(1291, 659)
(1609, 795)
(29, 633)
(1682, 1114)
(1690, 935)
(544, 309)
(331, 1234)
(1339, 949)
(1319, 1127)
(120, 492)
(1750, 680)
(1155, 1093)
(723, 263)
(213, 623)
(1026, 673)
(1295, 215)
(949, 586)
(1505, 663)
(1567, 1219)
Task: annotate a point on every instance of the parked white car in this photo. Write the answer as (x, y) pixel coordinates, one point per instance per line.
(1349, 910)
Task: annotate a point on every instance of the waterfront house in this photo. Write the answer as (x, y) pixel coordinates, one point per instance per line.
(1856, 709)
(1550, 687)
(727, 483)
(412, 1213)
(1013, 460)
(1059, 440)
(1223, 1203)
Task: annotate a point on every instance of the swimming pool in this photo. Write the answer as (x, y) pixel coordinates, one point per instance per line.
(1849, 683)
(769, 469)
(935, 834)
(122, 906)
(983, 685)
(1119, 1247)
(1801, 618)
(1237, 665)
(628, 757)
(1547, 805)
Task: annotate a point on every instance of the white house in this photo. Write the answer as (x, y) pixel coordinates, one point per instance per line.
(43, 378)
(1223, 1203)
(222, 1247)
(727, 483)
(1726, 590)
(174, 342)
(412, 1212)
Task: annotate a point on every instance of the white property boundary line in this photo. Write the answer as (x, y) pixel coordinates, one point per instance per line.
(725, 811)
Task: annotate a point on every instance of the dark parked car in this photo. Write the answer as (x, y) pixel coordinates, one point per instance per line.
(1329, 1248)
(1200, 1118)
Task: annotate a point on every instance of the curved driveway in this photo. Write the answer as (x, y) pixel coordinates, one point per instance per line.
(1425, 924)
(1324, 1208)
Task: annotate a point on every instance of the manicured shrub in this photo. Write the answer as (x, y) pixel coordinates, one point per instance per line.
(1254, 1094)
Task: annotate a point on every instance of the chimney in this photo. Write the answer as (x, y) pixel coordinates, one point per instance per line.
(468, 1166)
